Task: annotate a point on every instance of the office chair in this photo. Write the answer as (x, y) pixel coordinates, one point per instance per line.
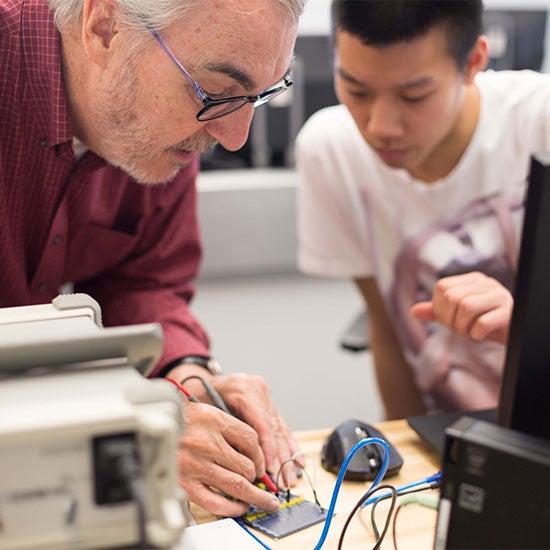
(354, 338)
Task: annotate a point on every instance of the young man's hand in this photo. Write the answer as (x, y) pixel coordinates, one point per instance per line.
(473, 305)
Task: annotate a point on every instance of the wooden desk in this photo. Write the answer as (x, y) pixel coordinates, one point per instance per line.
(415, 525)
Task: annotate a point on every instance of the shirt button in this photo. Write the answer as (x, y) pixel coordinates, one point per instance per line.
(43, 143)
(57, 239)
(42, 287)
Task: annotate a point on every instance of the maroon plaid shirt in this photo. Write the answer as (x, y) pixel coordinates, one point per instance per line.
(134, 248)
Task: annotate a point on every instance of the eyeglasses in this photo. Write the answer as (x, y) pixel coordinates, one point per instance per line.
(216, 108)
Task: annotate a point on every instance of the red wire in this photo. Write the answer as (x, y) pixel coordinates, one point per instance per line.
(269, 484)
(265, 478)
(180, 387)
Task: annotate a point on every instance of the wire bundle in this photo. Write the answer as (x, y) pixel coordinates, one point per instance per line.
(368, 498)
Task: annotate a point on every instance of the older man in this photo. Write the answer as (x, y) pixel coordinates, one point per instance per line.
(105, 106)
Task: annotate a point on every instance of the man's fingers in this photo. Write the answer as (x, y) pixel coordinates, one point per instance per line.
(423, 311)
(250, 399)
(237, 487)
(493, 326)
(474, 305)
(216, 503)
(247, 448)
(220, 503)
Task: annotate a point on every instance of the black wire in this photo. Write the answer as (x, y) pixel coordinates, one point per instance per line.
(387, 524)
(137, 490)
(296, 463)
(433, 485)
(364, 498)
(214, 395)
(130, 468)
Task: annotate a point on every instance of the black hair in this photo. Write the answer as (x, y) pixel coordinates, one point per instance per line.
(384, 22)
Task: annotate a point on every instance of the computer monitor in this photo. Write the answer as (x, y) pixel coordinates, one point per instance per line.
(525, 395)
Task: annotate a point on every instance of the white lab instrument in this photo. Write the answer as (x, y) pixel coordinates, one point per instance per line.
(87, 443)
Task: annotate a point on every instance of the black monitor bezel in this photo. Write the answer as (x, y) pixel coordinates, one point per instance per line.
(524, 402)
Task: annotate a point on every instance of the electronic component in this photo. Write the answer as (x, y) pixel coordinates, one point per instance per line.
(494, 488)
(295, 514)
(87, 444)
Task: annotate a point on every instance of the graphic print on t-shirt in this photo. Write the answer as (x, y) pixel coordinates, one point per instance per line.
(452, 371)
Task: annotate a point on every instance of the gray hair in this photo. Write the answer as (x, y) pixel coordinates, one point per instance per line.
(157, 14)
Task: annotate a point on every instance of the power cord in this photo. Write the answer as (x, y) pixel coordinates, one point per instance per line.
(130, 469)
(118, 476)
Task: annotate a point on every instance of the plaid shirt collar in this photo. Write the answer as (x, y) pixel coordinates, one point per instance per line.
(41, 46)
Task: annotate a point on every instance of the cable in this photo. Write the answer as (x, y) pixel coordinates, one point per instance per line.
(265, 478)
(287, 489)
(214, 395)
(240, 522)
(180, 387)
(130, 469)
(369, 493)
(430, 479)
(428, 501)
(400, 492)
(137, 490)
(387, 524)
(300, 466)
(307, 454)
(340, 478)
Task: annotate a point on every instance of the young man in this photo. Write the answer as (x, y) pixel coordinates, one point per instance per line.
(419, 175)
(105, 106)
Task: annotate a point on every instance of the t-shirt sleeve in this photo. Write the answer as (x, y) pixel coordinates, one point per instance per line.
(331, 229)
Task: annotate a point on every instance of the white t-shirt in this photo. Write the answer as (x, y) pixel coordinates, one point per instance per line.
(360, 218)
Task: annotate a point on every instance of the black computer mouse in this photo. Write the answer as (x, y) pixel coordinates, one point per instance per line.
(367, 460)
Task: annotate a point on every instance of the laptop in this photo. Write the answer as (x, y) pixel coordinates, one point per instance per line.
(431, 427)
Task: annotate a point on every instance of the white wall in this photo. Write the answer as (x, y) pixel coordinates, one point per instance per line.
(248, 221)
(265, 318)
(286, 328)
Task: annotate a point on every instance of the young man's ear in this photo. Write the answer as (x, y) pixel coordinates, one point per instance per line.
(99, 27)
(477, 59)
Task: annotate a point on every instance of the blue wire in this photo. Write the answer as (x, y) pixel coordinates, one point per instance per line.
(239, 521)
(430, 479)
(340, 478)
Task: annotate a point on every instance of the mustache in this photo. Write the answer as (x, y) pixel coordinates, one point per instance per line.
(199, 144)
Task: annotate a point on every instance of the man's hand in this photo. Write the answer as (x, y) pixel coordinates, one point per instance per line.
(474, 305)
(220, 454)
(249, 399)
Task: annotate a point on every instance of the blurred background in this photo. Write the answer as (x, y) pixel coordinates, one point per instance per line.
(262, 315)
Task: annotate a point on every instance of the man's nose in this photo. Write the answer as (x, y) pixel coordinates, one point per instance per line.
(232, 130)
(384, 120)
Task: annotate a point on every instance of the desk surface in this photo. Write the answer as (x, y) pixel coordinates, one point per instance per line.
(415, 525)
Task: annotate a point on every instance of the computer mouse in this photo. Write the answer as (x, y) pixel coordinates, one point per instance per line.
(366, 462)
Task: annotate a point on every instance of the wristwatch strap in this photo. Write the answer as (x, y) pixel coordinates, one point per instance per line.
(209, 363)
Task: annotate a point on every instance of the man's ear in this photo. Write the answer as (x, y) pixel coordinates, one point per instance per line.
(99, 28)
(477, 59)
